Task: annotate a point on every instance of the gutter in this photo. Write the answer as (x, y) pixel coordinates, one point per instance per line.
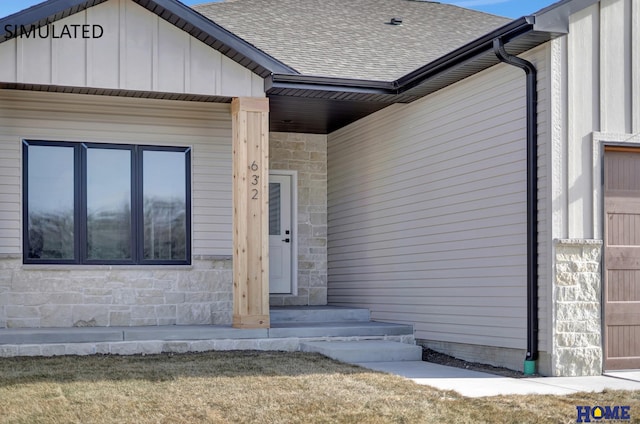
(532, 200)
(507, 33)
(552, 21)
(329, 84)
(396, 88)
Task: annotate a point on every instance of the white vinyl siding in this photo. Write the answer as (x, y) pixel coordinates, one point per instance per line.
(137, 51)
(205, 127)
(427, 211)
(10, 179)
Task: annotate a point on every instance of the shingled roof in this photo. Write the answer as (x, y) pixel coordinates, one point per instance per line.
(351, 38)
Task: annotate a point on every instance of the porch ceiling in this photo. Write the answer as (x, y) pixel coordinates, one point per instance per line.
(317, 116)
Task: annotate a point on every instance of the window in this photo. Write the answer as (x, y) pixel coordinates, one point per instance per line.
(89, 203)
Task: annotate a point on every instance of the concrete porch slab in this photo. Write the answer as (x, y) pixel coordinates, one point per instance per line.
(43, 336)
(286, 333)
(192, 332)
(20, 336)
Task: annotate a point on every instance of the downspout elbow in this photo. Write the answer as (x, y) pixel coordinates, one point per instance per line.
(532, 199)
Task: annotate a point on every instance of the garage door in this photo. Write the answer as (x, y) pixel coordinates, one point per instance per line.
(622, 259)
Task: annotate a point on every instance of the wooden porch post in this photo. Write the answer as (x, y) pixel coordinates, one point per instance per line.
(250, 212)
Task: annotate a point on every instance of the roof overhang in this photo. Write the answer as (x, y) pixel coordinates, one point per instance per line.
(315, 104)
(519, 36)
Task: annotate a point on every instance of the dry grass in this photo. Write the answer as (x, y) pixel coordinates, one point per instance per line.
(243, 387)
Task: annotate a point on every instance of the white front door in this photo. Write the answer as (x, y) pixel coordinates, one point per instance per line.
(281, 235)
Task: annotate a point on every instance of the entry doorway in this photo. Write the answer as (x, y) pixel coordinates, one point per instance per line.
(621, 258)
(282, 232)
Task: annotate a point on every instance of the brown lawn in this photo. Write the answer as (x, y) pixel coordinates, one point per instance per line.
(252, 387)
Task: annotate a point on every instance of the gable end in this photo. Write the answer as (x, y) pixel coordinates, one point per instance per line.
(171, 11)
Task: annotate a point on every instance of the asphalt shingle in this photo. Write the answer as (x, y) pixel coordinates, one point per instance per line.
(352, 38)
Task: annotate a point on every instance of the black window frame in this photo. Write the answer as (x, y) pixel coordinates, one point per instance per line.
(80, 203)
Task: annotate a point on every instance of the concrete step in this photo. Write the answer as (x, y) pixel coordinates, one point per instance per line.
(365, 351)
(338, 329)
(328, 313)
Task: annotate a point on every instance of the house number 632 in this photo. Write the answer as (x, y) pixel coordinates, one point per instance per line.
(255, 180)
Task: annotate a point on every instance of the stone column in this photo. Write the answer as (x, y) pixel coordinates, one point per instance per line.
(250, 117)
(577, 324)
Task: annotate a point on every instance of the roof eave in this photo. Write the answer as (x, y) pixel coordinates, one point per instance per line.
(286, 84)
(242, 50)
(461, 63)
(470, 50)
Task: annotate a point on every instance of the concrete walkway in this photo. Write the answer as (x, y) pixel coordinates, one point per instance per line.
(478, 384)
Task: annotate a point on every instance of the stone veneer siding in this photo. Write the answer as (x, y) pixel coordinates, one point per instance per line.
(577, 323)
(77, 296)
(306, 154)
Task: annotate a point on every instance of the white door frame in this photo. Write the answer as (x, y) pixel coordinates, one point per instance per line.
(293, 175)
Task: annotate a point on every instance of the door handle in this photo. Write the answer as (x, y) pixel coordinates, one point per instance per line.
(286, 240)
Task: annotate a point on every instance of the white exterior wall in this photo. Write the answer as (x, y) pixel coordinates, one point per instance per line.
(138, 51)
(65, 296)
(597, 100)
(206, 127)
(427, 211)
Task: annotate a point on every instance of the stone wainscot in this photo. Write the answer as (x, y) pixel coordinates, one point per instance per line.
(577, 292)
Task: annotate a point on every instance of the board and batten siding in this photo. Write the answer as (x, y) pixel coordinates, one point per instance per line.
(427, 211)
(602, 51)
(206, 127)
(137, 51)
